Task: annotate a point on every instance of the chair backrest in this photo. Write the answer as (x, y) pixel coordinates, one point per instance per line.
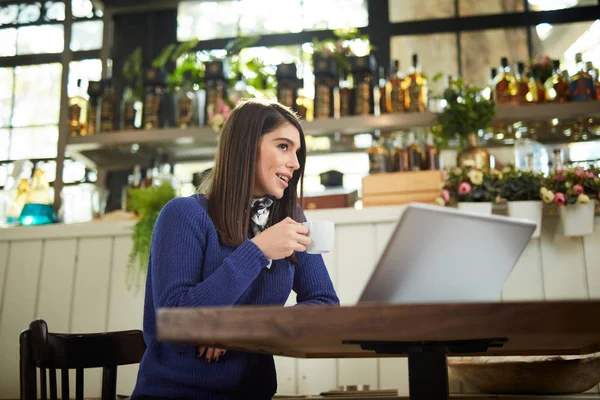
(52, 351)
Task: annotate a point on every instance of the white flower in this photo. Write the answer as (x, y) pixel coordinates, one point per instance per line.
(568, 184)
(583, 199)
(547, 196)
(476, 177)
(439, 201)
(506, 170)
(543, 190)
(468, 163)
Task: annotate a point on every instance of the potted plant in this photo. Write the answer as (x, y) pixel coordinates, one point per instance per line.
(574, 192)
(465, 114)
(147, 203)
(472, 188)
(522, 191)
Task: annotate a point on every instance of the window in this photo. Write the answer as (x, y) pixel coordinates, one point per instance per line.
(545, 5)
(412, 10)
(467, 8)
(225, 19)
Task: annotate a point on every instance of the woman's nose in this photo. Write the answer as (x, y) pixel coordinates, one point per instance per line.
(293, 162)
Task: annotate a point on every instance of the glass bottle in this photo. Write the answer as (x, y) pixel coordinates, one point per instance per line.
(325, 85)
(400, 156)
(594, 74)
(346, 94)
(505, 84)
(521, 96)
(108, 108)
(557, 87)
(381, 97)
(537, 92)
(396, 88)
(93, 118)
(488, 92)
(363, 92)
(582, 85)
(78, 111)
(187, 108)
(416, 88)
(130, 116)
(415, 153)
(378, 157)
(431, 161)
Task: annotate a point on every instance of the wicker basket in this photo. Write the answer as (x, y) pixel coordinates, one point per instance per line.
(546, 376)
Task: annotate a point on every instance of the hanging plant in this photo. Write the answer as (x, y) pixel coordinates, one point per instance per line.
(147, 203)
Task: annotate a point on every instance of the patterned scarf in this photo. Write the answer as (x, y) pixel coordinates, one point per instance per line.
(259, 215)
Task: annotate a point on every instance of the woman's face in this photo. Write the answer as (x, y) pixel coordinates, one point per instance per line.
(276, 161)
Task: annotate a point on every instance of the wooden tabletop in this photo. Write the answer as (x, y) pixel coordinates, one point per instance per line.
(531, 328)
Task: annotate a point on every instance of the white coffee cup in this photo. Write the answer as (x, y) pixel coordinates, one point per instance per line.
(321, 234)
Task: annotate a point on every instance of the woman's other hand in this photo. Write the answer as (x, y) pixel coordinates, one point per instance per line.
(210, 353)
(282, 239)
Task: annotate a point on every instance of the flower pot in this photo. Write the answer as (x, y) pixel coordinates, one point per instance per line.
(473, 155)
(530, 210)
(577, 219)
(484, 208)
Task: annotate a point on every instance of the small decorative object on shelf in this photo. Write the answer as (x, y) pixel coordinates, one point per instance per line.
(466, 113)
(574, 191)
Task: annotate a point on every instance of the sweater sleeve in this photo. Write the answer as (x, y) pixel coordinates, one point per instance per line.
(312, 283)
(178, 252)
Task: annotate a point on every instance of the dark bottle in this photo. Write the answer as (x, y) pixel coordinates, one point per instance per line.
(431, 159)
(378, 157)
(557, 87)
(363, 85)
(522, 85)
(400, 156)
(94, 92)
(155, 82)
(381, 95)
(325, 85)
(287, 85)
(582, 85)
(415, 154)
(346, 94)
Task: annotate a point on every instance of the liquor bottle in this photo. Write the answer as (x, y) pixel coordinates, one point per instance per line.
(582, 85)
(363, 85)
(537, 92)
(187, 111)
(325, 85)
(381, 97)
(346, 94)
(130, 115)
(78, 112)
(415, 154)
(287, 85)
(557, 87)
(522, 85)
(416, 88)
(93, 119)
(594, 74)
(155, 82)
(108, 108)
(505, 84)
(488, 92)
(378, 157)
(431, 159)
(397, 89)
(399, 156)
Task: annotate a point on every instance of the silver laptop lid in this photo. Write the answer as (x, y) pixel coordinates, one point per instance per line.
(438, 255)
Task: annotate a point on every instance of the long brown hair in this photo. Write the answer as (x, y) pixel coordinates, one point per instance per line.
(230, 184)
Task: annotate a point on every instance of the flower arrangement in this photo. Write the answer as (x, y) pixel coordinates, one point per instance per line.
(469, 184)
(571, 186)
(342, 47)
(542, 65)
(217, 114)
(517, 185)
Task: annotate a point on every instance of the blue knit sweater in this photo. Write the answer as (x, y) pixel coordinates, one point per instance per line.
(185, 245)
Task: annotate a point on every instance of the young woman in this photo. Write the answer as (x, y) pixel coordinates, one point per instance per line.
(241, 242)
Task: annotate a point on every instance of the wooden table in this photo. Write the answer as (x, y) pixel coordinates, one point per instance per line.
(427, 334)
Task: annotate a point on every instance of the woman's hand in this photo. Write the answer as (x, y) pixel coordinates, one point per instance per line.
(210, 353)
(282, 239)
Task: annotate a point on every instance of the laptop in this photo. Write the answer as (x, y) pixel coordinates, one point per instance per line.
(442, 255)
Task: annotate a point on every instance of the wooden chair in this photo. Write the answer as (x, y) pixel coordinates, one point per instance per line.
(52, 351)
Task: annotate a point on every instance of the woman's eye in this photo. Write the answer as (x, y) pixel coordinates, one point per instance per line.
(283, 146)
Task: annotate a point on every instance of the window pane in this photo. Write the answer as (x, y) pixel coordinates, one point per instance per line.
(33, 142)
(269, 16)
(8, 42)
(479, 7)
(482, 50)
(334, 14)
(410, 10)
(207, 20)
(4, 140)
(563, 41)
(544, 5)
(86, 35)
(86, 70)
(6, 94)
(9, 14)
(437, 54)
(82, 8)
(55, 11)
(37, 95)
(40, 39)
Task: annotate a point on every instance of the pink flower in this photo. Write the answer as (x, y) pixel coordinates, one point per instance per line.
(445, 196)
(464, 188)
(580, 172)
(592, 175)
(560, 199)
(559, 177)
(578, 189)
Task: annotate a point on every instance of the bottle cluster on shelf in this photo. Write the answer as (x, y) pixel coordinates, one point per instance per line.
(403, 152)
(527, 87)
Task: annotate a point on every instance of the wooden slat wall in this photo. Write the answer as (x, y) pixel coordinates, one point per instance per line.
(78, 284)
